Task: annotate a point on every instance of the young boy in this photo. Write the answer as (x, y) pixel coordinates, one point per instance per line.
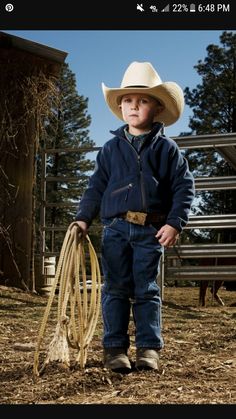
(143, 189)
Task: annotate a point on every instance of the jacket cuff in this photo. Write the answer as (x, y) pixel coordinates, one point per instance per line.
(177, 223)
(83, 218)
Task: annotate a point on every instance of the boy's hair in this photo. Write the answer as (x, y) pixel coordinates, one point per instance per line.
(159, 103)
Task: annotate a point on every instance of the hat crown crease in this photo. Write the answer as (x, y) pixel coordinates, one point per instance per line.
(140, 74)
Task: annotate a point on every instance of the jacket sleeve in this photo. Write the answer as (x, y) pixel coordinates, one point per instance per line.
(90, 202)
(183, 190)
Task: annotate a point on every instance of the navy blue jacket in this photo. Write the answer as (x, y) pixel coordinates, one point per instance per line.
(156, 180)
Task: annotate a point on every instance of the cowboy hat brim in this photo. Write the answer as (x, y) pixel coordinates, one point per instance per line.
(169, 94)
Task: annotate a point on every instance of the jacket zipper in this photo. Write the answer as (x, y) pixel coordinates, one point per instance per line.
(143, 197)
(142, 183)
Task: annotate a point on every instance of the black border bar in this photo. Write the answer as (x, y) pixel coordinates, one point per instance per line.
(125, 15)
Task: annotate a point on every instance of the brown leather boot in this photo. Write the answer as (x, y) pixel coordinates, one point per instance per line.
(116, 359)
(147, 359)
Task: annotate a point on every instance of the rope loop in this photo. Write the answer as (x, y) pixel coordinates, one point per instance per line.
(78, 307)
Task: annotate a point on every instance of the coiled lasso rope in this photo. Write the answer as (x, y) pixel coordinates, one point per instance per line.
(77, 315)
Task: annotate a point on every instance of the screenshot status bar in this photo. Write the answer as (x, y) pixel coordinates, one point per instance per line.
(149, 14)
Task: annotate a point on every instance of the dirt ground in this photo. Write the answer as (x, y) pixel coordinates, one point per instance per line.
(197, 364)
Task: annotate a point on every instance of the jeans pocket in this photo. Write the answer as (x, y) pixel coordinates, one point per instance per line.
(109, 222)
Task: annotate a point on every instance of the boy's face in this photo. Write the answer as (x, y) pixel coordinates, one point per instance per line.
(139, 111)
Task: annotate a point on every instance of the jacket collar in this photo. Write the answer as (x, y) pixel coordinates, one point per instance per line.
(156, 131)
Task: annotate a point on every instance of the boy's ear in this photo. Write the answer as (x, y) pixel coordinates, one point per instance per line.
(159, 109)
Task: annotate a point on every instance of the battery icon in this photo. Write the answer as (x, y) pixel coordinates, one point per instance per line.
(192, 7)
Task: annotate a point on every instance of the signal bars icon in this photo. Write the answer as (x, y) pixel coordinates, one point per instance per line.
(166, 8)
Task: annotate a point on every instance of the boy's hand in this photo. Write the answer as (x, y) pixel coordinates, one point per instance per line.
(83, 226)
(167, 235)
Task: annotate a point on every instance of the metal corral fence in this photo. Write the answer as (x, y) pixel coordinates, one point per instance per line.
(172, 268)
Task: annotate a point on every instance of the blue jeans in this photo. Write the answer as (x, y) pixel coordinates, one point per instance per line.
(130, 262)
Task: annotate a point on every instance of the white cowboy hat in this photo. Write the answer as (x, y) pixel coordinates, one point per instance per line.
(141, 77)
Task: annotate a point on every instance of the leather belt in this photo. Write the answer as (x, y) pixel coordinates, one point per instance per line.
(142, 218)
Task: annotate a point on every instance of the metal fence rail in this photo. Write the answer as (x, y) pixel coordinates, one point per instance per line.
(212, 221)
(211, 250)
(201, 273)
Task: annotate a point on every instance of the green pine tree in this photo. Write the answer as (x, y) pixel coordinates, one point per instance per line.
(67, 171)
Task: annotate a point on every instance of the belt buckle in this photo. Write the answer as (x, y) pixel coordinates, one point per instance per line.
(136, 217)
